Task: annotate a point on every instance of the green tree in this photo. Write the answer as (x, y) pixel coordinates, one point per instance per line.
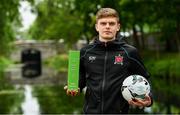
(168, 20)
(8, 15)
(159, 15)
(10, 19)
(69, 20)
(56, 20)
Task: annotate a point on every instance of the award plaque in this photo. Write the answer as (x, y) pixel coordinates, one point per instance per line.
(73, 69)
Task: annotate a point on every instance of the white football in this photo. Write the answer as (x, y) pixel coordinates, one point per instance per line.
(135, 87)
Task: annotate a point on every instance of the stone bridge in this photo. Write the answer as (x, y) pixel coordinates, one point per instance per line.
(47, 49)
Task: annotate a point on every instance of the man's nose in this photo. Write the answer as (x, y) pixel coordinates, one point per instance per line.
(107, 25)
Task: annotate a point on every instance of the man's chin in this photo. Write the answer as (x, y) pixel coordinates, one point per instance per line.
(108, 38)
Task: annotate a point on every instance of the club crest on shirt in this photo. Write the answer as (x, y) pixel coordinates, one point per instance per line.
(118, 59)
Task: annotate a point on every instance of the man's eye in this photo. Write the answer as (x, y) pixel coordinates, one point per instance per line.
(112, 23)
(103, 23)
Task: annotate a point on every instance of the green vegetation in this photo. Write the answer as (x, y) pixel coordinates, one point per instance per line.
(74, 19)
(4, 63)
(53, 100)
(59, 62)
(10, 99)
(168, 63)
(11, 102)
(165, 79)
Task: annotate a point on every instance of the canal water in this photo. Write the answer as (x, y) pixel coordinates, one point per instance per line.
(30, 106)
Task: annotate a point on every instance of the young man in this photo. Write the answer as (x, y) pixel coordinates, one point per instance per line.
(104, 64)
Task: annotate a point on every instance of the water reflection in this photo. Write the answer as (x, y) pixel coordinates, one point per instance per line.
(30, 106)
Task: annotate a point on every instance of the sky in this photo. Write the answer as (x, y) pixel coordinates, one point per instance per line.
(27, 16)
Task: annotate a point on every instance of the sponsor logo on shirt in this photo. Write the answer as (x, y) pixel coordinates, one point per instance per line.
(92, 58)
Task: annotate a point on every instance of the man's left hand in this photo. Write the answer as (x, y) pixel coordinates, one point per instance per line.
(141, 103)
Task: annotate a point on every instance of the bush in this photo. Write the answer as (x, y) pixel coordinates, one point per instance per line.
(53, 100)
(59, 62)
(4, 63)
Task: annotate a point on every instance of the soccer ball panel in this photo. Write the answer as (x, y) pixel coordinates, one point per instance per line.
(126, 93)
(135, 86)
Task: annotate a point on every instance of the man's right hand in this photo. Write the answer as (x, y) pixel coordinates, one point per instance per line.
(71, 92)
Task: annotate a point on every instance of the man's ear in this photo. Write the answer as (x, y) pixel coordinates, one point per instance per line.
(96, 27)
(119, 26)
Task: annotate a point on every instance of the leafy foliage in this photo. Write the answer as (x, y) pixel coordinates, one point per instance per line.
(56, 20)
(165, 78)
(167, 64)
(8, 14)
(53, 100)
(59, 62)
(3, 65)
(9, 102)
(74, 19)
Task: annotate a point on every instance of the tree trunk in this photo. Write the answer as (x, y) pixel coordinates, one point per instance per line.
(178, 36)
(168, 82)
(135, 37)
(142, 37)
(168, 46)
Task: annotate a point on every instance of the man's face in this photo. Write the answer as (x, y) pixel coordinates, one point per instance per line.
(107, 27)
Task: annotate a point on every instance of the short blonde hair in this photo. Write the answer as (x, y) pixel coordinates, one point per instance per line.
(107, 12)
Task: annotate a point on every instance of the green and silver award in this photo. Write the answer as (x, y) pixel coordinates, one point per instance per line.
(73, 69)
